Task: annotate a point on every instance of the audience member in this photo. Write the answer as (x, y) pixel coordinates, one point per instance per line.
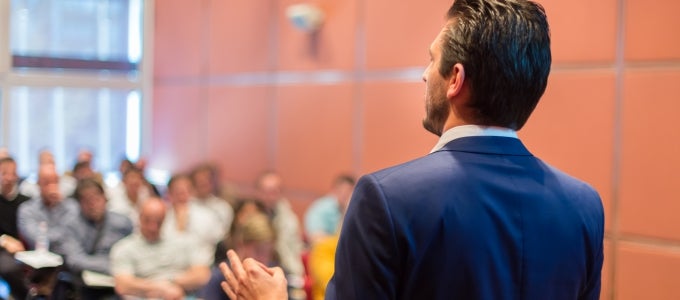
(30, 186)
(89, 237)
(254, 238)
(141, 164)
(47, 213)
(147, 264)
(289, 244)
(185, 217)
(127, 196)
(327, 213)
(324, 214)
(84, 155)
(124, 165)
(82, 169)
(204, 178)
(10, 199)
(113, 181)
(243, 210)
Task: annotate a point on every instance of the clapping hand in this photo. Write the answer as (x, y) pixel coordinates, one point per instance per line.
(251, 280)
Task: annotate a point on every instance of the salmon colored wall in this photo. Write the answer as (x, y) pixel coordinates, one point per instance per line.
(236, 84)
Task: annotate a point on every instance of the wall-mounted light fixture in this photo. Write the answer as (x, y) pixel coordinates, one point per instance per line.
(305, 17)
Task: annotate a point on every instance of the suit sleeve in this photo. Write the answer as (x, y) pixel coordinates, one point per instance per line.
(594, 282)
(592, 291)
(366, 261)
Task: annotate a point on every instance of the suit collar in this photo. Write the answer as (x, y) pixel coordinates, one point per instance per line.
(487, 145)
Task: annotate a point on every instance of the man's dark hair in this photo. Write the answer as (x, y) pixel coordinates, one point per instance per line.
(344, 178)
(84, 184)
(131, 170)
(80, 165)
(178, 177)
(504, 47)
(206, 167)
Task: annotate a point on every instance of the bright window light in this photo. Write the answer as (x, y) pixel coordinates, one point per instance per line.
(133, 126)
(134, 31)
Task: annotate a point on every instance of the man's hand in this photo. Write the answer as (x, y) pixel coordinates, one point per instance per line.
(252, 280)
(11, 244)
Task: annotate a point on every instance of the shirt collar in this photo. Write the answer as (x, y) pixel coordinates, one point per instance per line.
(472, 130)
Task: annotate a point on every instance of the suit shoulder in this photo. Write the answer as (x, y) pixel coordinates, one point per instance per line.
(569, 181)
(429, 163)
(581, 194)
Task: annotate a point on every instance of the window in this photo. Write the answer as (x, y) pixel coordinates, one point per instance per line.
(74, 77)
(76, 34)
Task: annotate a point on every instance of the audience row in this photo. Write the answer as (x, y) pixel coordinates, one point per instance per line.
(156, 246)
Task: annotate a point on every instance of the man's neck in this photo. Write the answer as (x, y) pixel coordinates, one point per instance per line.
(472, 130)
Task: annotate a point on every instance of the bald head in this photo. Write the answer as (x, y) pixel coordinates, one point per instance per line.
(269, 186)
(48, 181)
(45, 157)
(151, 216)
(4, 153)
(84, 155)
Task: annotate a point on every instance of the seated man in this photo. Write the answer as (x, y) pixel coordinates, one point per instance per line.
(289, 244)
(185, 217)
(128, 195)
(41, 220)
(146, 264)
(10, 199)
(90, 237)
(31, 187)
(204, 178)
(324, 214)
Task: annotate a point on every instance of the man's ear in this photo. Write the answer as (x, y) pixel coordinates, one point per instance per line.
(456, 81)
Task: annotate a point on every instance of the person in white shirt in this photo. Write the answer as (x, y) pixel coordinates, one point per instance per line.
(126, 197)
(289, 237)
(204, 178)
(184, 217)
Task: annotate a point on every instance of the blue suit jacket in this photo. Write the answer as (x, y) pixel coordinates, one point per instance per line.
(481, 218)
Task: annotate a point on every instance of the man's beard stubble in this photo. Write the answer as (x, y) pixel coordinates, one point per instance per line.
(437, 110)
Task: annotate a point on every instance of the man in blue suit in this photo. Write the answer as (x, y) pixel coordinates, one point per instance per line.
(479, 217)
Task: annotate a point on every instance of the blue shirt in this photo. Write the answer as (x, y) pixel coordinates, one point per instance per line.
(33, 212)
(84, 251)
(323, 216)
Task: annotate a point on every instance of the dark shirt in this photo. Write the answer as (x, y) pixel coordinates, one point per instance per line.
(212, 290)
(8, 214)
